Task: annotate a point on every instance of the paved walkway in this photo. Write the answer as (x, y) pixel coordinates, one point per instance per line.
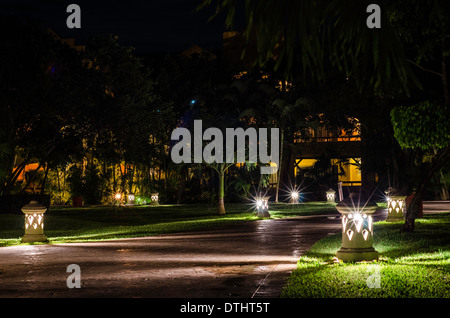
(246, 260)
(436, 206)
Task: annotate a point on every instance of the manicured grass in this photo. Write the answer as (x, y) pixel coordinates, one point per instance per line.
(411, 265)
(68, 224)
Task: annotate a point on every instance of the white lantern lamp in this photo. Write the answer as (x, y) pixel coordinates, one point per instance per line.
(262, 207)
(395, 205)
(154, 197)
(357, 230)
(295, 195)
(34, 222)
(331, 196)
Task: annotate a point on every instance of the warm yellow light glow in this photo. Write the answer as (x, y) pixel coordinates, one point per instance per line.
(350, 234)
(273, 175)
(349, 171)
(118, 196)
(303, 164)
(34, 222)
(331, 195)
(396, 205)
(344, 223)
(365, 234)
(322, 133)
(358, 222)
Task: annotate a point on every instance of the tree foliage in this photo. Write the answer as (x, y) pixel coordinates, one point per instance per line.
(424, 126)
(40, 79)
(305, 36)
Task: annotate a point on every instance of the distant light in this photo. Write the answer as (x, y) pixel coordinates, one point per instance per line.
(331, 195)
(118, 196)
(154, 198)
(262, 206)
(193, 101)
(295, 196)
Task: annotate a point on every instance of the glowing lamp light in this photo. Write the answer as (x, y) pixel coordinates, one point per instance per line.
(357, 230)
(262, 207)
(295, 196)
(118, 196)
(331, 195)
(34, 222)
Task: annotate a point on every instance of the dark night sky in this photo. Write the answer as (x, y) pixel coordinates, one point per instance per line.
(149, 26)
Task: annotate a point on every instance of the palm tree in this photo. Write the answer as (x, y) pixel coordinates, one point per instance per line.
(302, 37)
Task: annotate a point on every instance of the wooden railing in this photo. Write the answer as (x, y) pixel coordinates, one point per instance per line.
(329, 139)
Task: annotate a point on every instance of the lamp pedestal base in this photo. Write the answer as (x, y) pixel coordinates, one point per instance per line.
(263, 214)
(357, 254)
(27, 238)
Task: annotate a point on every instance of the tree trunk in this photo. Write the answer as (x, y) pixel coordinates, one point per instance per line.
(182, 182)
(58, 180)
(413, 210)
(12, 179)
(444, 81)
(64, 182)
(221, 191)
(114, 177)
(444, 189)
(279, 164)
(44, 182)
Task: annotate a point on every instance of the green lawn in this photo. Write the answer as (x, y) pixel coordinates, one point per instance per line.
(411, 265)
(68, 224)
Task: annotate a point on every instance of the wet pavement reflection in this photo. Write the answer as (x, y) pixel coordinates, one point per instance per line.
(251, 259)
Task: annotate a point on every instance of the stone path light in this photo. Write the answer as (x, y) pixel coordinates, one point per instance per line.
(131, 199)
(262, 207)
(34, 222)
(395, 203)
(295, 195)
(331, 195)
(357, 230)
(154, 198)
